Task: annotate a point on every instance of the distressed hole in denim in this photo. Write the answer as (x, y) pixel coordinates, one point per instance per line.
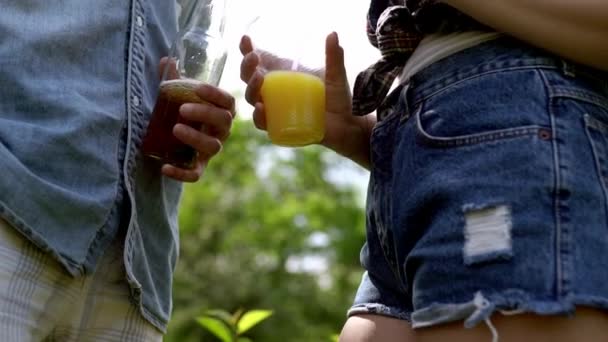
(487, 234)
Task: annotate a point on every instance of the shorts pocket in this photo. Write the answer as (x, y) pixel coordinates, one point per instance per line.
(483, 109)
(429, 120)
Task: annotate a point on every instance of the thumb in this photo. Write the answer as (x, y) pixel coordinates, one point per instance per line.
(335, 71)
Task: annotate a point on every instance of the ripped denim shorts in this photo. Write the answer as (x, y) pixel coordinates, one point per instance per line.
(488, 190)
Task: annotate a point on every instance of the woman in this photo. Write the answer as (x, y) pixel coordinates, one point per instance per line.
(487, 195)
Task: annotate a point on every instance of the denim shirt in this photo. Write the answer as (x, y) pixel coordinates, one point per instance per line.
(78, 79)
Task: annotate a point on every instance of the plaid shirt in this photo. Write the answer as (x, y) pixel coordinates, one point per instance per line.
(392, 30)
(396, 27)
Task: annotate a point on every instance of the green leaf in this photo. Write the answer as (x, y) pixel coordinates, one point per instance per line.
(335, 338)
(244, 339)
(217, 327)
(236, 316)
(250, 319)
(220, 314)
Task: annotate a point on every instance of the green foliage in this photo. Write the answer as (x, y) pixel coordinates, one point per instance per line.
(251, 319)
(217, 327)
(231, 328)
(269, 227)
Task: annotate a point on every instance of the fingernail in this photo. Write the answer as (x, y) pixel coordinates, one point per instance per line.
(167, 170)
(186, 109)
(179, 129)
(202, 90)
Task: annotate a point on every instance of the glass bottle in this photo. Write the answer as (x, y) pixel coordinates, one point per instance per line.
(198, 56)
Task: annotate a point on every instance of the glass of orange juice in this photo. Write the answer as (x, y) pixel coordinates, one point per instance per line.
(293, 90)
(295, 107)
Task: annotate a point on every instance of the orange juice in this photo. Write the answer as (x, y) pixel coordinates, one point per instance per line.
(295, 108)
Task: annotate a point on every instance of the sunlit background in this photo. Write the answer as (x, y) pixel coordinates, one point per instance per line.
(311, 20)
(271, 228)
(272, 22)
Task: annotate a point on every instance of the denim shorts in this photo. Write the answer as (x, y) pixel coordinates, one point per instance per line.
(488, 190)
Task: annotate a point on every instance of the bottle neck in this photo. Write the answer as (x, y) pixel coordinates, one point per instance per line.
(206, 16)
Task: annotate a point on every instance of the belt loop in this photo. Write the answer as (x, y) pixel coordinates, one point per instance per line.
(406, 100)
(568, 69)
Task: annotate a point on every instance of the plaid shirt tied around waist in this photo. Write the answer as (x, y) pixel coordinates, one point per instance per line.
(396, 36)
(396, 27)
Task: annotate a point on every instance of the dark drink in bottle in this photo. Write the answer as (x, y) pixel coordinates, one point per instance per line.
(159, 142)
(197, 56)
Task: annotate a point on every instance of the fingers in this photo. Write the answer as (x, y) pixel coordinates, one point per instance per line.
(254, 88)
(216, 123)
(216, 120)
(206, 145)
(217, 97)
(250, 60)
(259, 59)
(183, 175)
(253, 66)
(265, 58)
(252, 76)
(249, 65)
(259, 116)
(246, 46)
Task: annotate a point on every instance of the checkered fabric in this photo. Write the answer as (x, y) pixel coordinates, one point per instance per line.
(40, 301)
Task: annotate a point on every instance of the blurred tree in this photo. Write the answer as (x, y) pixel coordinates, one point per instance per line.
(266, 228)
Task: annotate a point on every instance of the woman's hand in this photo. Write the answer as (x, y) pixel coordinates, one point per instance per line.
(345, 134)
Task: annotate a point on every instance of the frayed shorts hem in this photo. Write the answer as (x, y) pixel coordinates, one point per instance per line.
(378, 309)
(481, 308)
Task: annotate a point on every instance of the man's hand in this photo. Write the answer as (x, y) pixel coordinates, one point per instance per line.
(215, 117)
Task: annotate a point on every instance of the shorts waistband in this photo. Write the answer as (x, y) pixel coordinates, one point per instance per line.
(501, 54)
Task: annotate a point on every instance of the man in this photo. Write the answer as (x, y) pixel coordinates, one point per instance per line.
(88, 227)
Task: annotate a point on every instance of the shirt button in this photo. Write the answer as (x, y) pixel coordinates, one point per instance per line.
(136, 101)
(140, 21)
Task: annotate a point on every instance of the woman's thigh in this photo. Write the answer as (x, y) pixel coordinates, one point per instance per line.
(589, 325)
(370, 328)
